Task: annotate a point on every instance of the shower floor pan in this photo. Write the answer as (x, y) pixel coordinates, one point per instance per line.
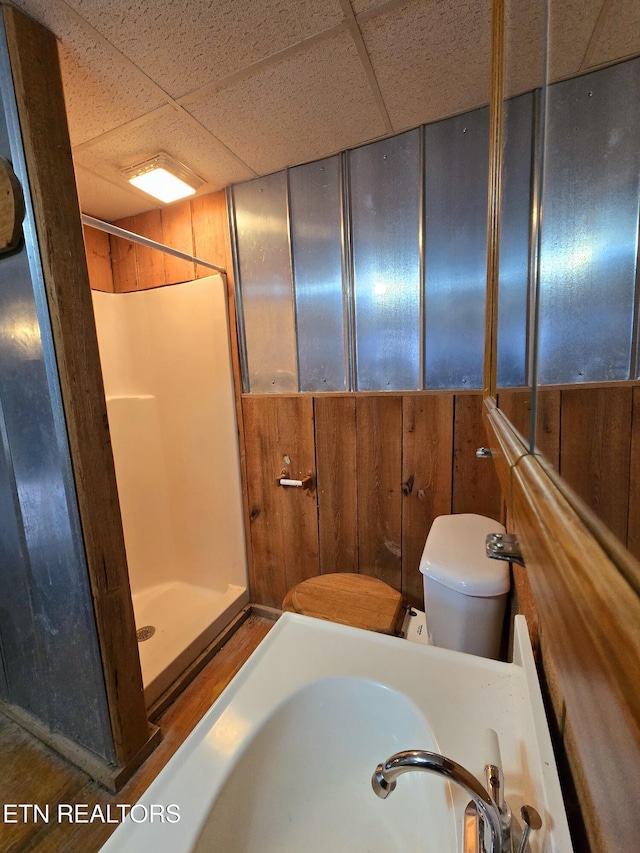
(186, 618)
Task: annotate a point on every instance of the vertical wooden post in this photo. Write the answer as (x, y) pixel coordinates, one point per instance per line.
(40, 103)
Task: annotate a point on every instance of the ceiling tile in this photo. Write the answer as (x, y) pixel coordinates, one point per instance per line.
(101, 93)
(431, 59)
(204, 41)
(571, 24)
(164, 130)
(55, 15)
(307, 106)
(524, 35)
(364, 5)
(620, 34)
(101, 90)
(104, 200)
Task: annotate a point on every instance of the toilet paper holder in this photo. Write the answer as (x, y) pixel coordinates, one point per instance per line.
(285, 480)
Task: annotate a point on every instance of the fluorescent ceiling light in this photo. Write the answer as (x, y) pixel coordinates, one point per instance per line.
(164, 178)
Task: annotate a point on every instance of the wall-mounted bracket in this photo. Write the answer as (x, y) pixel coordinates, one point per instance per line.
(484, 453)
(504, 546)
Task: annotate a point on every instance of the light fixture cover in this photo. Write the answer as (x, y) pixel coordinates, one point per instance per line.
(164, 178)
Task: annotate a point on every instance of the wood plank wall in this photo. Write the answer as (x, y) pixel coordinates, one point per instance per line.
(98, 251)
(633, 530)
(591, 435)
(386, 466)
(196, 227)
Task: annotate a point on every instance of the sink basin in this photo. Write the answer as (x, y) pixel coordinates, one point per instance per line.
(302, 783)
(283, 759)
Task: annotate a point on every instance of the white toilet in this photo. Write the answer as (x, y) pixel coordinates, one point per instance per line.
(465, 592)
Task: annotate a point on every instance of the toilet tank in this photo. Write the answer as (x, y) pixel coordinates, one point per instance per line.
(465, 592)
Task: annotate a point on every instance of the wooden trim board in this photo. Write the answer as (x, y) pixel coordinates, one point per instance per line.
(40, 101)
(590, 630)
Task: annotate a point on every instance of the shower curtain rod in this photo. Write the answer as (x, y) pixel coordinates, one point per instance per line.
(144, 241)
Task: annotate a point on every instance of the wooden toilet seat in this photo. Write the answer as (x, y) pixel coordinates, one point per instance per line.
(348, 599)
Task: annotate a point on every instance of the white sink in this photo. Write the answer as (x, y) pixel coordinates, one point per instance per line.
(283, 760)
(302, 782)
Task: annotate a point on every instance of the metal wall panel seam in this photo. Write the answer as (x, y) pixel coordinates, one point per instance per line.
(347, 267)
(634, 366)
(237, 287)
(292, 272)
(421, 255)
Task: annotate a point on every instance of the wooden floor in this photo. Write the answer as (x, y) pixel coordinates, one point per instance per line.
(30, 773)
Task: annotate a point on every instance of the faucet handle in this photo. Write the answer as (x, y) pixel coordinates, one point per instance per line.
(494, 777)
(493, 768)
(531, 820)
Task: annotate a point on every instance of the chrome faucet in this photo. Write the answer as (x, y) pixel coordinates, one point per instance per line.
(384, 782)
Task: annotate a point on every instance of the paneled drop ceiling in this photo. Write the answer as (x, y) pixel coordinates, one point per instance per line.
(239, 88)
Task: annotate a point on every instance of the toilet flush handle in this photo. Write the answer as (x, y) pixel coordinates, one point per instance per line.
(504, 546)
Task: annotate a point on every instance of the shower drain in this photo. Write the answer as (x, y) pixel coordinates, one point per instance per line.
(145, 633)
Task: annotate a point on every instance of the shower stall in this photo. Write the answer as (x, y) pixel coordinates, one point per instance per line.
(166, 363)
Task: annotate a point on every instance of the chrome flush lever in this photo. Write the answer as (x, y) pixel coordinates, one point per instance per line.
(484, 453)
(504, 546)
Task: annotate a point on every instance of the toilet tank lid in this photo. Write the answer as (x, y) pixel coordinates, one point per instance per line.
(455, 555)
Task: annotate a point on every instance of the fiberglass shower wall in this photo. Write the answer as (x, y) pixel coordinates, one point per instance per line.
(168, 382)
